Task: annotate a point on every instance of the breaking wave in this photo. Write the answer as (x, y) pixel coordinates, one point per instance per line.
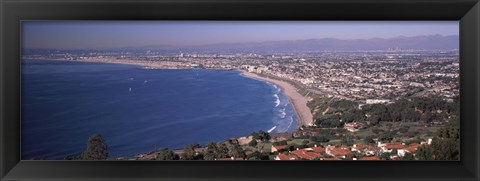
(277, 100)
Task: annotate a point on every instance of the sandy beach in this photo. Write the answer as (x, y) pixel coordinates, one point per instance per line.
(299, 102)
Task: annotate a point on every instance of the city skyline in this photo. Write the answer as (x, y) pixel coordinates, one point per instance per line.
(121, 34)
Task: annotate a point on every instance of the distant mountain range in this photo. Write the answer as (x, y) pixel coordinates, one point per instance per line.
(429, 42)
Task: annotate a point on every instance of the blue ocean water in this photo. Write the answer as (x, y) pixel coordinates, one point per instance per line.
(140, 110)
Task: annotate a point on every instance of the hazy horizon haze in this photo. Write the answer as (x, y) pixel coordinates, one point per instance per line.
(136, 34)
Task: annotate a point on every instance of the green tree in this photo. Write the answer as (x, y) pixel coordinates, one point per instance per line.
(384, 156)
(261, 135)
(279, 143)
(394, 152)
(320, 138)
(215, 150)
(374, 119)
(408, 156)
(424, 152)
(236, 151)
(446, 145)
(354, 115)
(166, 154)
(256, 155)
(291, 147)
(427, 117)
(253, 143)
(210, 152)
(370, 139)
(222, 150)
(189, 153)
(387, 136)
(96, 149)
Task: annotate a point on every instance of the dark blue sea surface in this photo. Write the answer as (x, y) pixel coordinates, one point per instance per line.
(139, 110)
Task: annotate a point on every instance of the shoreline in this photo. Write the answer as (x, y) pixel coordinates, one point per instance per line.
(298, 101)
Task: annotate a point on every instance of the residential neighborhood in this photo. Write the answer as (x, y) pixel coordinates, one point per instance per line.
(354, 152)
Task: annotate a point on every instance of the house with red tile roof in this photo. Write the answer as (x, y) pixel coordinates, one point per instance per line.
(365, 149)
(369, 158)
(334, 158)
(282, 156)
(358, 147)
(339, 152)
(278, 148)
(318, 149)
(306, 154)
(389, 147)
(409, 149)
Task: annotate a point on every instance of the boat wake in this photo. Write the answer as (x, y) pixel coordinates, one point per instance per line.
(271, 129)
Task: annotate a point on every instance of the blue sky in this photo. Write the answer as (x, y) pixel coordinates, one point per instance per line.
(114, 34)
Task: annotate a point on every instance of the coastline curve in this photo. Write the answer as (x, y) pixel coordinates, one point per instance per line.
(298, 101)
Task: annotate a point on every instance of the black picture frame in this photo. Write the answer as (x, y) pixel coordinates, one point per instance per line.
(13, 11)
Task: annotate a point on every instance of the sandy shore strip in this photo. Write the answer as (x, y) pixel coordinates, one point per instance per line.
(299, 102)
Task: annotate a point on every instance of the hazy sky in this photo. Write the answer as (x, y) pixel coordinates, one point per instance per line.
(114, 34)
